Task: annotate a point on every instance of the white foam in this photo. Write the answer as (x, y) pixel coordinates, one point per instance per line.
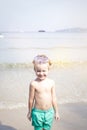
(10, 106)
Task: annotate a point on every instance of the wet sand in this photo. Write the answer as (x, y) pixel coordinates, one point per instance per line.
(71, 83)
(73, 117)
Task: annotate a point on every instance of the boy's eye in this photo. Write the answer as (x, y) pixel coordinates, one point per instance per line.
(38, 71)
(43, 70)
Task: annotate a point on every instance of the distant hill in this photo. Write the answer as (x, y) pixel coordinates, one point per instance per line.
(73, 30)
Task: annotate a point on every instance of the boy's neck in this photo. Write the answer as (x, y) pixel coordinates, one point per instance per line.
(41, 79)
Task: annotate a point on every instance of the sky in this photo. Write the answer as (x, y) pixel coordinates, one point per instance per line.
(49, 15)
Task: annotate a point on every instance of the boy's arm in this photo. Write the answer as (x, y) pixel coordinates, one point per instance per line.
(54, 102)
(30, 100)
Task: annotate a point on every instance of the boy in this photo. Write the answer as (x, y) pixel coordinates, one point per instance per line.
(42, 98)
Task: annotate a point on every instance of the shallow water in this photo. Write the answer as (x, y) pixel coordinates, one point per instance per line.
(69, 53)
(22, 47)
(71, 85)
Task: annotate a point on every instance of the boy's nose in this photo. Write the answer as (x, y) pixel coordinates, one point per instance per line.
(41, 73)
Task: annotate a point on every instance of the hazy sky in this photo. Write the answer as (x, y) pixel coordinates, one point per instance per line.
(50, 15)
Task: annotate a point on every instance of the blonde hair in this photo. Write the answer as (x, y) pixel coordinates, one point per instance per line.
(42, 59)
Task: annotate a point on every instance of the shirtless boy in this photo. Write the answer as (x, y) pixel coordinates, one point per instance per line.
(42, 102)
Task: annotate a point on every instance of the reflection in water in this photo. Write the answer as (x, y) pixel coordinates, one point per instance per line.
(6, 127)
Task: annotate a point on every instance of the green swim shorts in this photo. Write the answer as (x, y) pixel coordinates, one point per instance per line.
(42, 119)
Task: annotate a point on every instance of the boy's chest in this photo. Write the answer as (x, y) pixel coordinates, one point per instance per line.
(41, 88)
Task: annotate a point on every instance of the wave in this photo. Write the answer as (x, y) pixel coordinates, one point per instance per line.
(55, 63)
(11, 106)
(70, 100)
(15, 65)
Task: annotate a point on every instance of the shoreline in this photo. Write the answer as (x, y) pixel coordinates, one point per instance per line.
(70, 84)
(73, 117)
(55, 64)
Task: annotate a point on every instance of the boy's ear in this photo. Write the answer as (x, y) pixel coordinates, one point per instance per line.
(33, 62)
(50, 63)
(34, 68)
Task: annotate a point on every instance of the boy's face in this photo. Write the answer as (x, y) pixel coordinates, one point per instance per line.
(41, 70)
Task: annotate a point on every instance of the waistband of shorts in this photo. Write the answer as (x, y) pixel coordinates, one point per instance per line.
(40, 110)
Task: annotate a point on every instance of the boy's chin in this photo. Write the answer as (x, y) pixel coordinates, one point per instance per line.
(41, 78)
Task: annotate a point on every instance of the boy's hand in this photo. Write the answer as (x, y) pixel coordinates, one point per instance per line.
(29, 116)
(57, 117)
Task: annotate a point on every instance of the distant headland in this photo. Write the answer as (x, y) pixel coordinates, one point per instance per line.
(73, 30)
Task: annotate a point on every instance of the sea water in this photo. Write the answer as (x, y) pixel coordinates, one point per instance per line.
(22, 47)
(67, 50)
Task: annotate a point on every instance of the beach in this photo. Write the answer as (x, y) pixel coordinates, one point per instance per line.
(68, 52)
(71, 97)
(73, 117)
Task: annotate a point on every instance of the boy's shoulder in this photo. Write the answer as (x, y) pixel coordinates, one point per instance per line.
(33, 82)
(48, 80)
